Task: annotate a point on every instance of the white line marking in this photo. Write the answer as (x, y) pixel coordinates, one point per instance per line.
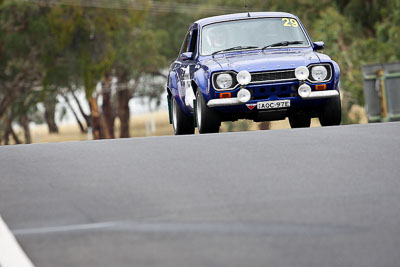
(66, 228)
(11, 253)
(187, 228)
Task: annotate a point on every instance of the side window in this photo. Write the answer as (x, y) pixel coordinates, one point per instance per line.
(193, 42)
(185, 45)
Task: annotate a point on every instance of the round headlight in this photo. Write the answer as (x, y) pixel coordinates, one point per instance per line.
(319, 73)
(244, 95)
(243, 77)
(224, 81)
(304, 90)
(302, 73)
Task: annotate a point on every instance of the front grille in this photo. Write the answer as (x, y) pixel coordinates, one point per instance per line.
(273, 76)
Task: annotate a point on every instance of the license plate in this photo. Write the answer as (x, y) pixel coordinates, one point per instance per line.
(273, 104)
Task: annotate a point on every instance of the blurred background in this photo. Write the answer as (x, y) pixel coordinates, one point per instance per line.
(94, 69)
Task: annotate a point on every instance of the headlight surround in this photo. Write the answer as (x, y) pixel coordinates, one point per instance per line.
(319, 73)
(224, 81)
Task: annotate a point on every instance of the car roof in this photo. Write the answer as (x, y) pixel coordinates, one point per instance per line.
(210, 20)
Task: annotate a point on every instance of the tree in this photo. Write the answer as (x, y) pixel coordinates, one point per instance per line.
(85, 33)
(24, 33)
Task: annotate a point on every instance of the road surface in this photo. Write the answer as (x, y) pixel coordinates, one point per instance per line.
(304, 197)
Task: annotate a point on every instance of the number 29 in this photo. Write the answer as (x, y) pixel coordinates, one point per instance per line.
(290, 22)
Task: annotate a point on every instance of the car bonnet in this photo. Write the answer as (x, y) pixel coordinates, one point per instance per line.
(267, 60)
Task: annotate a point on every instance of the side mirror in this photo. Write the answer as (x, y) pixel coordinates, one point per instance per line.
(319, 46)
(187, 56)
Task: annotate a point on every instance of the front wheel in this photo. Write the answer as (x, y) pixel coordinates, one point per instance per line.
(182, 123)
(207, 119)
(331, 113)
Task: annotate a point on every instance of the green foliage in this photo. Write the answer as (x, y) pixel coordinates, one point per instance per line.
(388, 33)
(85, 34)
(338, 32)
(24, 32)
(170, 30)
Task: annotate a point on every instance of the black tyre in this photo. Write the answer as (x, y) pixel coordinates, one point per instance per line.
(299, 119)
(331, 113)
(208, 120)
(182, 123)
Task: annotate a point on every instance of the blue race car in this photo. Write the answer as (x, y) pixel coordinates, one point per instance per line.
(258, 66)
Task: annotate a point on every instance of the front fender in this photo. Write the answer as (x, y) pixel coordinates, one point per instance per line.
(201, 79)
(336, 70)
(173, 84)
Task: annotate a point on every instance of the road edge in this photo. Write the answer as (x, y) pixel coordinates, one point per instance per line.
(11, 253)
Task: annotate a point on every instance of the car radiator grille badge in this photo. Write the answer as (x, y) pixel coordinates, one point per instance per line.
(251, 106)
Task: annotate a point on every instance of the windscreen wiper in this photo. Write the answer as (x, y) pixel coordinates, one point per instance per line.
(284, 43)
(235, 48)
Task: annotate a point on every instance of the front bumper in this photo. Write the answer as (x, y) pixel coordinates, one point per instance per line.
(222, 102)
(321, 94)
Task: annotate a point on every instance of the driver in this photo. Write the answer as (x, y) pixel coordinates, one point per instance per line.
(216, 40)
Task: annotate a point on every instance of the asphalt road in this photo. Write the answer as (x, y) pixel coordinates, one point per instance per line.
(305, 197)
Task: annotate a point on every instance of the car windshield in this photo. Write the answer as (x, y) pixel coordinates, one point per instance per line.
(250, 33)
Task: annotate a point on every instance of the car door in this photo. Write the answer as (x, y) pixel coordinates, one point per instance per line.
(187, 67)
(179, 67)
